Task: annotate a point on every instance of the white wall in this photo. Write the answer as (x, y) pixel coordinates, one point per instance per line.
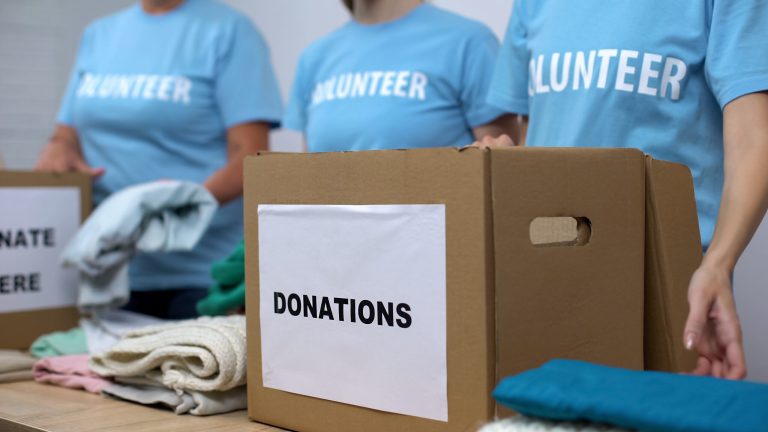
(751, 290)
(38, 39)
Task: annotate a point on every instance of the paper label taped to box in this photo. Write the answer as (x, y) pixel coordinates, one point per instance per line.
(35, 225)
(352, 304)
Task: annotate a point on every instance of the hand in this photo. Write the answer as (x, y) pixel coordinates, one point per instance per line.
(490, 142)
(713, 328)
(60, 156)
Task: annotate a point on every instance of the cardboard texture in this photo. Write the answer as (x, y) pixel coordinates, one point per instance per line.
(673, 252)
(570, 285)
(28, 325)
(577, 301)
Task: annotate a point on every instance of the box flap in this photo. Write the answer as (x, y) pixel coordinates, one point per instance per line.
(673, 252)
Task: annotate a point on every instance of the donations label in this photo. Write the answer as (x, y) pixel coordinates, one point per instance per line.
(353, 304)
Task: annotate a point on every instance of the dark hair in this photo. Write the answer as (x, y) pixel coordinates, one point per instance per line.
(349, 4)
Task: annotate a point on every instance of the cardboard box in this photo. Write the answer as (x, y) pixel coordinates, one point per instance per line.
(41, 212)
(544, 257)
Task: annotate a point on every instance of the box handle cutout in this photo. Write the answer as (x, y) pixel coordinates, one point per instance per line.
(560, 231)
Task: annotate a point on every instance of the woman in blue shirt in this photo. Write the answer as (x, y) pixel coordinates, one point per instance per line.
(179, 89)
(683, 81)
(399, 74)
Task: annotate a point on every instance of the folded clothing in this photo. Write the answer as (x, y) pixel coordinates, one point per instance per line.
(15, 366)
(206, 354)
(181, 402)
(69, 371)
(60, 343)
(159, 216)
(648, 401)
(228, 290)
(529, 424)
(25, 375)
(104, 331)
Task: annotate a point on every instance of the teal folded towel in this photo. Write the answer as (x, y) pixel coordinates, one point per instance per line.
(646, 401)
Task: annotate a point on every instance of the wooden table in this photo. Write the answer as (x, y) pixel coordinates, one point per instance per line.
(28, 406)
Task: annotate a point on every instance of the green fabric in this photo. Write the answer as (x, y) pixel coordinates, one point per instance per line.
(228, 290)
(60, 343)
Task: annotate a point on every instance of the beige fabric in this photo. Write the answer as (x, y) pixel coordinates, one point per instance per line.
(15, 366)
(25, 375)
(206, 354)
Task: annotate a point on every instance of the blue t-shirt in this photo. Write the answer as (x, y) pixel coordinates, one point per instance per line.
(418, 81)
(652, 74)
(152, 96)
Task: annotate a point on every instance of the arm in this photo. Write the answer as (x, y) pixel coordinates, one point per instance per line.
(506, 131)
(713, 327)
(244, 139)
(63, 154)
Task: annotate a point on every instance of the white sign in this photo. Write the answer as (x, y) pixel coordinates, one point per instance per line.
(36, 223)
(353, 304)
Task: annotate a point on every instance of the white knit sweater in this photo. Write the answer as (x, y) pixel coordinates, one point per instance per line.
(206, 354)
(530, 424)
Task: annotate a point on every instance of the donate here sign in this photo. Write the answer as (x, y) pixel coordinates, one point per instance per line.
(35, 225)
(352, 304)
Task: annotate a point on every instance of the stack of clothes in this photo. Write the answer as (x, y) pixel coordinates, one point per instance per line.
(195, 366)
(64, 356)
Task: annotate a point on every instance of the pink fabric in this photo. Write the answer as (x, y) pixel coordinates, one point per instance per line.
(69, 371)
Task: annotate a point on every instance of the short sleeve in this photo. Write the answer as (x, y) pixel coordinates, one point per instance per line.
(246, 86)
(737, 53)
(298, 102)
(476, 79)
(509, 86)
(65, 116)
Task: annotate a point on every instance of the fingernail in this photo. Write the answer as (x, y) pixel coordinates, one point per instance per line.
(689, 339)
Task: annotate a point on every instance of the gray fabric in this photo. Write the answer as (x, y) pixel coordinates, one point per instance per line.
(150, 217)
(188, 402)
(151, 395)
(107, 290)
(207, 403)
